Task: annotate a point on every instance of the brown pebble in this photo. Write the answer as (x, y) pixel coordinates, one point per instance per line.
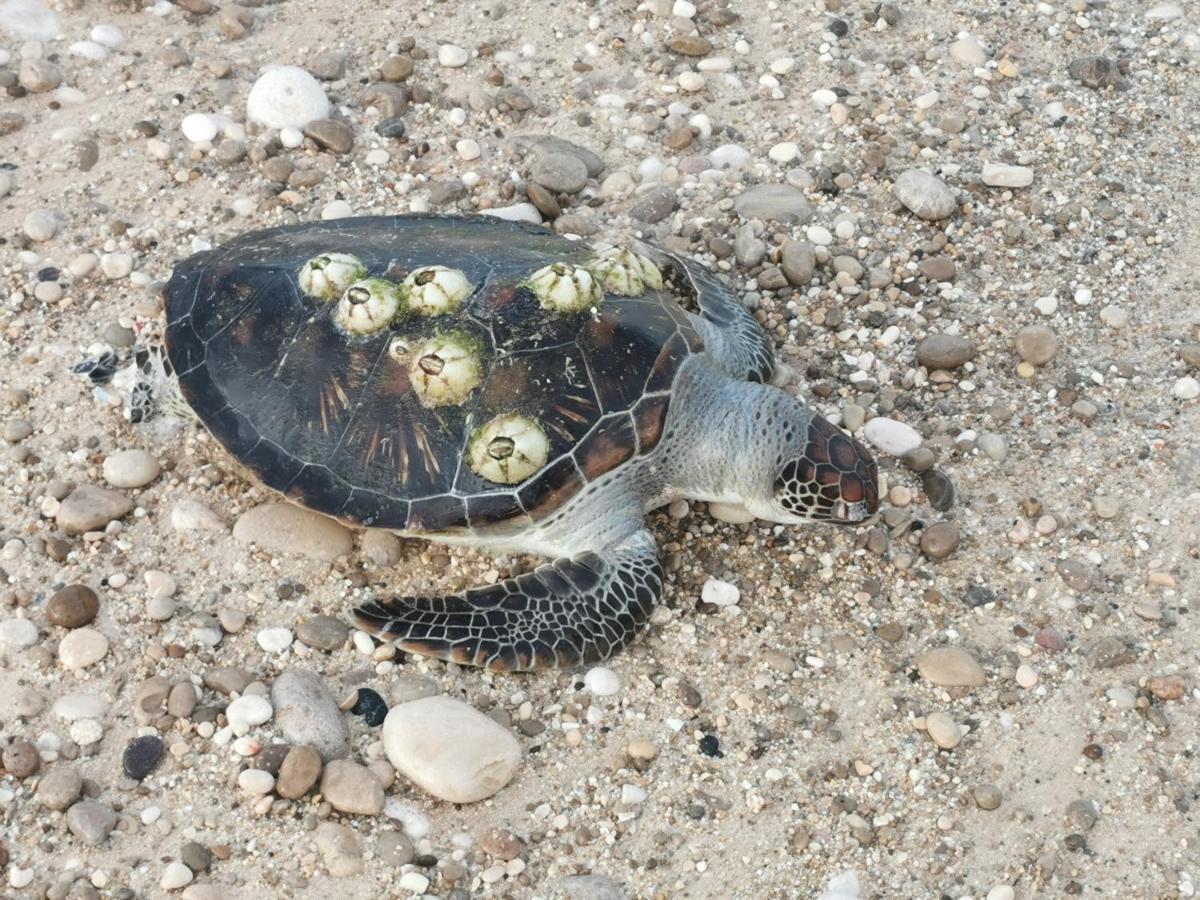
(1166, 687)
(544, 200)
(940, 540)
(679, 138)
(1050, 639)
(299, 772)
(21, 759)
(396, 68)
(690, 45)
(501, 844)
(74, 606)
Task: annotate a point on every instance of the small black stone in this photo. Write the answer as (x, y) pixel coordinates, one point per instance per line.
(391, 128)
(839, 27)
(48, 274)
(1075, 842)
(425, 860)
(371, 707)
(196, 857)
(978, 595)
(142, 756)
(939, 489)
(710, 746)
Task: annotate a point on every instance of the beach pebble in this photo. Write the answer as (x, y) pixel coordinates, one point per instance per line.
(199, 128)
(925, 195)
(286, 97)
(1036, 344)
(452, 56)
(60, 787)
(299, 771)
(323, 632)
(943, 729)
(247, 712)
(81, 648)
(601, 681)
(351, 788)
(307, 713)
(450, 749)
(720, 593)
(41, 224)
(938, 541)
(130, 469)
(950, 667)
(175, 876)
(274, 640)
(141, 756)
(73, 606)
(256, 781)
(774, 203)
(891, 436)
(20, 758)
(560, 172)
(340, 850)
(1186, 388)
(284, 528)
(1001, 175)
(18, 633)
(111, 36)
(945, 351)
(89, 508)
(91, 821)
(38, 76)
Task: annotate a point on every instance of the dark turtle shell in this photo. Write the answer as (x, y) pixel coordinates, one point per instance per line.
(333, 421)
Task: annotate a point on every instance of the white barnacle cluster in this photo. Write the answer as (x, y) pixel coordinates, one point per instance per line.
(444, 369)
(622, 271)
(508, 449)
(369, 305)
(436, 290)
(327, 276)
(565, 288)
(568, 288)
(366, 305)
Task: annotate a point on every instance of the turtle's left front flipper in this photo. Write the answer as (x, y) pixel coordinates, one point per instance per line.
(573, 611)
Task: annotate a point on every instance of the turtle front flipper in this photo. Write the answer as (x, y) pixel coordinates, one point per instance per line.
(732, 336)
(573, 611)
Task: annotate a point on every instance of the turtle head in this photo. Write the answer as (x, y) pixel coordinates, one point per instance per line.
(825, 476)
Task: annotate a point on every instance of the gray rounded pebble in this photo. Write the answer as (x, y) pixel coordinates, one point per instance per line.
(560, 172)
(926, 195)
(91, 821)
(307, 713)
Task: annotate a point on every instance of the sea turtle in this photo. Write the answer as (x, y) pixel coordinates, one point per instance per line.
(475, 381)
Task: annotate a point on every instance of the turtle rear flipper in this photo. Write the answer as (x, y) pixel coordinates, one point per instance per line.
(573, 611)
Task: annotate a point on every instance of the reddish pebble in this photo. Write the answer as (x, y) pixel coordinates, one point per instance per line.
(1050, 639)
(1166, 687)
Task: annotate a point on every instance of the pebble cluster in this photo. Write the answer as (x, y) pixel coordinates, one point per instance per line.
(970, 233)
